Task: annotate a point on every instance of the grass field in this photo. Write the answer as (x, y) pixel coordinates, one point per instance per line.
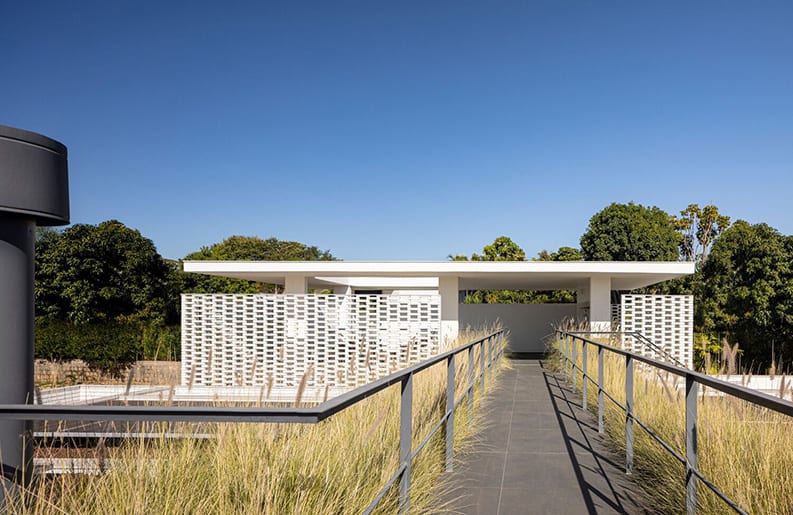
(336, 466)
(746, 451)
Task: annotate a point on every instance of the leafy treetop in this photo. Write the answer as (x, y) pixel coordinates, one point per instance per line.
(746, 292)
(630, 232)
(99, 272)
(699, 228)
(247, 248)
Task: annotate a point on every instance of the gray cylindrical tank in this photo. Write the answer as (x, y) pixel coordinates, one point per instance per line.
(33, 191)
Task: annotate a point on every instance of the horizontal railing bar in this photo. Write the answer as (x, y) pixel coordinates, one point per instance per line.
(721, 495)
(646, 428)
(159, 413)
(379, 497)
(424, 442)
(741, 392)
(73, 435)
(224, 414)
(677, 456)
(337, 404)
(427, 438)
(251, 414)
(751, 396)
(639, 336)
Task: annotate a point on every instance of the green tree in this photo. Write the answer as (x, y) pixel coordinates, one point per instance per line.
(563, 254)
(90, 273)
(747, 292)
(251, 248)
(246, 248)
(699, 228)
(502, 249)
(556, 296)
(630, 232)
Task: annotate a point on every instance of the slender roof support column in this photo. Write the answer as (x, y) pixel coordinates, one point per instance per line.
(295, 283)
(449, 290)
(582, 303)
(600, 303)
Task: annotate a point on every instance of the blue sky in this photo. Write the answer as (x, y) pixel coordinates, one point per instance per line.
(404, 130)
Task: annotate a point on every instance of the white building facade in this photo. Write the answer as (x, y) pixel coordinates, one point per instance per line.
(381, 315)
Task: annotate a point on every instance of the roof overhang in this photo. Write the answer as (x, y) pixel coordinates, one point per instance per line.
(472, 275)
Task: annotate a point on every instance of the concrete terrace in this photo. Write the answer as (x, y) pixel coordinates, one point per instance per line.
(540, 453)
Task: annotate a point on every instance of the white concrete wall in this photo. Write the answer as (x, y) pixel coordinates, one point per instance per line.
(528, 324)
(667, 320)
(449, 290)
(342, 340)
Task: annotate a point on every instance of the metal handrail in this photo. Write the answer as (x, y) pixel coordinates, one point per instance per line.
(642, 338)
(568, 358)
(491, 350)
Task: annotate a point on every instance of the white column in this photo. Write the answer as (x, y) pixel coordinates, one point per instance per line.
(600, 303)
(342, 290)
(449, 290)
(582, 303)
(295, 283)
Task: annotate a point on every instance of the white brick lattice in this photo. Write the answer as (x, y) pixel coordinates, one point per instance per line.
(666, 320)
(274, 340)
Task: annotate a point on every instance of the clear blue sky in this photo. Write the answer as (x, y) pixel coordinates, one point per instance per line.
(404, 130)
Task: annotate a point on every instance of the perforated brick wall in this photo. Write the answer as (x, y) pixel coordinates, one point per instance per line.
(667, 320)
(277, 339)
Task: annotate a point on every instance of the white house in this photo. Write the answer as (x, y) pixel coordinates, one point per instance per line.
(415, 300)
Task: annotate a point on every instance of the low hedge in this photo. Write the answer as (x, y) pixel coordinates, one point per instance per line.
(111, 347)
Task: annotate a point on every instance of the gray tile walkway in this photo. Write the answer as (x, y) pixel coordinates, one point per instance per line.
(539, 452)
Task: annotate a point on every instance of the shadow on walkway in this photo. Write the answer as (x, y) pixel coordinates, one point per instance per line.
(540, 452)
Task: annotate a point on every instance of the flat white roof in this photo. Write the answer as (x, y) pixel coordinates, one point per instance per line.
(473, 275)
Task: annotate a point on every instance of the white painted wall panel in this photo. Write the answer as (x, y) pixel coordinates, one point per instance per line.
(667, 320)
(338, 340)
(529, 325)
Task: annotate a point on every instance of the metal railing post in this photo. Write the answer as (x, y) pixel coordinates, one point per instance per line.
(573, 361)
(490, 346)
(471, 381)
(405, 441)
(450, 413)
(482, 367)
(691, 444)
(629, 414)
(584, 379)
(567, 357)
(600, 390)
(487, 358)
(561, 349)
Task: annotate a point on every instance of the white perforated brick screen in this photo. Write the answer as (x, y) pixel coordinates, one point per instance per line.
(339, 340)
(667, 320)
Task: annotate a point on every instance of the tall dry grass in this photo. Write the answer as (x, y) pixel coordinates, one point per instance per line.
(336, 466)
(746, 451)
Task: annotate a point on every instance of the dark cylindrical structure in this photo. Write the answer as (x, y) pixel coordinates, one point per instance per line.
(17, 239)
(33, 191)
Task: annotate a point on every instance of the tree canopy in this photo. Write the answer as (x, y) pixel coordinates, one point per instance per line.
(747, 291)
(247, 248)
(630, 232)
(504, 249)
(252, 248)
(91, 273)
(563, 254)
(699, 228)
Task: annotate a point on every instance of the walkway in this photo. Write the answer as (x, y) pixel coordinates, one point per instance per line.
(540, 453)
